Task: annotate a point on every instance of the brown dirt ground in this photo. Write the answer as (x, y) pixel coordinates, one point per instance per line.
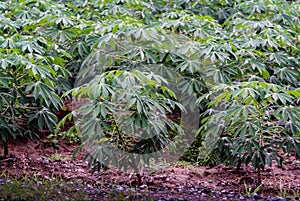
(37, 157)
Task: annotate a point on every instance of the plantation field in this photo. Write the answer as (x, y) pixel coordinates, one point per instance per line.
(149, 99)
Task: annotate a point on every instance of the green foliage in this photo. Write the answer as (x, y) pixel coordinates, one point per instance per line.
(259, 120)
(287, 192)
(239, 59)
(125, 117)
(35, 188)
(32, 72)
(255, 110)
(249, 192)
(55, 188)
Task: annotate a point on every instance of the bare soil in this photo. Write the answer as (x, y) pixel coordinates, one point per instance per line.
(172, 182)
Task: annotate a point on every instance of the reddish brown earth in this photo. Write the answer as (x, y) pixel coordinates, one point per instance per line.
(173, 182)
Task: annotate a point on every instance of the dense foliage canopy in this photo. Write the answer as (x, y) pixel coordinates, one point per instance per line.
(239, 59)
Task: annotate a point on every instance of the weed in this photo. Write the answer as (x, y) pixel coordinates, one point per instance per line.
(288, 192)
(57, 157)
(34, 188)
(249, 191)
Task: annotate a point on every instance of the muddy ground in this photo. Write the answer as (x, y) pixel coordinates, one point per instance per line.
(165, 182)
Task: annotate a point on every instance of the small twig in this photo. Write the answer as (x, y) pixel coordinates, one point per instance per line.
(7, 159)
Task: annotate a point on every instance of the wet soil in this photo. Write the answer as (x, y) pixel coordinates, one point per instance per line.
(169, 182)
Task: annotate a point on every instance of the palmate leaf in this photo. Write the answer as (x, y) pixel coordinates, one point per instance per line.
(31, 44)
(280, 58)
(251, 47)
(289, 113)
(27, 14)
(41, 71)
(191, 66)
(65, 20)
(8, 43)
(61, 36)
(259, 66)
(81, 48)
(289, 75)
(6, 98)
(6, 62)
(281, 96)
(45, 119)
(45, 93)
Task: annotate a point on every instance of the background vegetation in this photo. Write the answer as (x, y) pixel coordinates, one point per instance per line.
(248, 49)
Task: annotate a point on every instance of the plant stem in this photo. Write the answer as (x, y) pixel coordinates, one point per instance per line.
(259, 175)
(5, 148)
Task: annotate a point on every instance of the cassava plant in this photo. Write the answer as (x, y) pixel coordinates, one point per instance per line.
(32, 75)
(124, 118)
(258, 123)
(240, 59)
(254, 114)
